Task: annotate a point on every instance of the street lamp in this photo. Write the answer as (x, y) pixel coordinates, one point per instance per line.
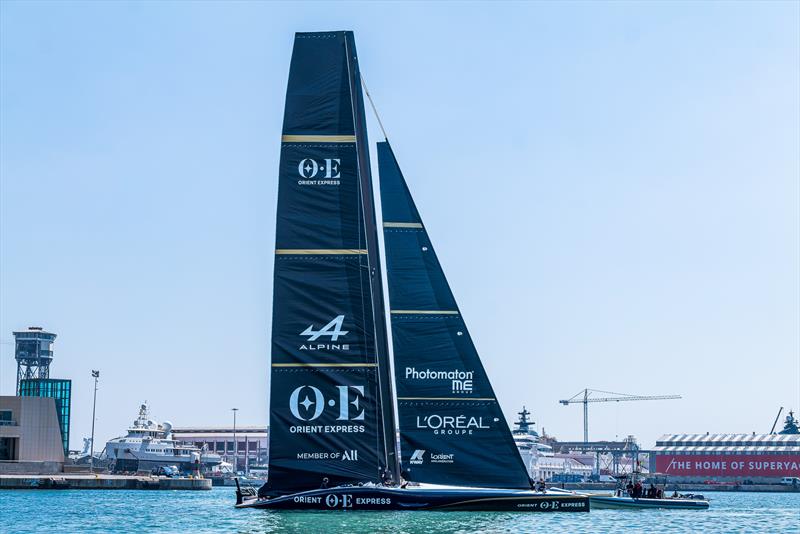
(95, 375)
(235, 445)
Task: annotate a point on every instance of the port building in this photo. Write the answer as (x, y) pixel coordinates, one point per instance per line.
(33, 351)
(245, 447)
(756, 458)
(30, 436)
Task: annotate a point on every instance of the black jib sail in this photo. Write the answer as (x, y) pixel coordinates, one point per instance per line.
(329, 351)
(452, 430)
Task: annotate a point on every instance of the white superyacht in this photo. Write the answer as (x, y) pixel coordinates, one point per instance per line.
(149, 445)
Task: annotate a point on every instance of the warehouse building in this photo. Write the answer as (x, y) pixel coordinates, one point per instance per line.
(757, 458)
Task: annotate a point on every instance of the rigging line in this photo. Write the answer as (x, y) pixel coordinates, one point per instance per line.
(371, 103)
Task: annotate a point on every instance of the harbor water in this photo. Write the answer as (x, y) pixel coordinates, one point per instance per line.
(123, 511)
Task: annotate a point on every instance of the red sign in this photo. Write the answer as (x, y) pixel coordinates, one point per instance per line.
(733, 465)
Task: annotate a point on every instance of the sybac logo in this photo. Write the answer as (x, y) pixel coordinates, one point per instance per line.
(332, 330)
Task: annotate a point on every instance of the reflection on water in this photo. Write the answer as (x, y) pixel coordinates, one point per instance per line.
(212, 511)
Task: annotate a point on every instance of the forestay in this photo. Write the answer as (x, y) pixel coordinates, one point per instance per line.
(452, 430)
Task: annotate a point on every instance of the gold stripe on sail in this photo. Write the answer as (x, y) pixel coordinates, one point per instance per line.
(324, 365)
(319, 251)
(445, 398)
(402, 225)
(424, 312)
(318, 138)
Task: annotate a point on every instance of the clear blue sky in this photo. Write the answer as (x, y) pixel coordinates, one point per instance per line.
(612, 189)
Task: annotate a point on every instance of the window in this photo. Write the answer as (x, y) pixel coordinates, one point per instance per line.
(6, 418)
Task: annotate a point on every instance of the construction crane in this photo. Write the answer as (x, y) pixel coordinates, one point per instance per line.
(585, 398)
(776, 421)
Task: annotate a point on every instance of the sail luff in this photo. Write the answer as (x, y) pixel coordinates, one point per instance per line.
(452, 429)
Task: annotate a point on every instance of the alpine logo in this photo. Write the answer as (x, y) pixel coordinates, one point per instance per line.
(325, 172)
(332, 330)
(418, 457)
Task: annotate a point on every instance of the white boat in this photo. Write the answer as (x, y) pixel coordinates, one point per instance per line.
(149, 445)
(682, 502)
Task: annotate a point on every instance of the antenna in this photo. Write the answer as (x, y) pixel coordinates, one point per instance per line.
(776, 421)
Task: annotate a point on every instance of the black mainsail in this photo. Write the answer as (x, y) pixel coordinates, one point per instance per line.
(452, 430)
(330, 402)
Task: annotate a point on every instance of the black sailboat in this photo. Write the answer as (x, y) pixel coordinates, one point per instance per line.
(332, 420)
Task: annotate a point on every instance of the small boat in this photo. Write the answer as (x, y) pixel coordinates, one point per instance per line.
(683, 502)
(333, 426)
(621, 499)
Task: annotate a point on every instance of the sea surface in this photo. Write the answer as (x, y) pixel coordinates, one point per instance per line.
(123, 511)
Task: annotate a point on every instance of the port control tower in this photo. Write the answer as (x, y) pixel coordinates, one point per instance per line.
(34, 353)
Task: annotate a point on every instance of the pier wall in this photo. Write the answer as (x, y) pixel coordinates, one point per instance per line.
(108, 482)
(30, 468)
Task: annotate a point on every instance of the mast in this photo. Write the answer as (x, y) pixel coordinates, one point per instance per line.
(374, 265)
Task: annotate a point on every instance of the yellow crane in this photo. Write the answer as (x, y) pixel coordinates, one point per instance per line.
(585, 397)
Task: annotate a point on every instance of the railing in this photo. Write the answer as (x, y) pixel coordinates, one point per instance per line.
(8, 422)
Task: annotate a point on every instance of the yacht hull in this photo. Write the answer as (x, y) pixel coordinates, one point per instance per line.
(388, 498)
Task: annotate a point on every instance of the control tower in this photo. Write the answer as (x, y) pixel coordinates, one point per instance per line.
(33, 352)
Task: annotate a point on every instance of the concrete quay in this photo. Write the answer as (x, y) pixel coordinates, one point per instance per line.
(102, 481)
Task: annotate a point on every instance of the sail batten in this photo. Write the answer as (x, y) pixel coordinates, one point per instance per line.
(452, 430)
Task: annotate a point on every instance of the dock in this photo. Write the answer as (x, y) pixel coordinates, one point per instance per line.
(102, 482)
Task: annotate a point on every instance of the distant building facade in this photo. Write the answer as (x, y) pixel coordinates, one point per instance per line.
(251, 446)
(30, 436)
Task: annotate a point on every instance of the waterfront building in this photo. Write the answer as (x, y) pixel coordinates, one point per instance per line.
(251, 443)
(55, 388)
(757, 458)
(33, 350)
(30, 436)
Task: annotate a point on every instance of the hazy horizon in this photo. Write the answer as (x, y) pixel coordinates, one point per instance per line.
(613, 190)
